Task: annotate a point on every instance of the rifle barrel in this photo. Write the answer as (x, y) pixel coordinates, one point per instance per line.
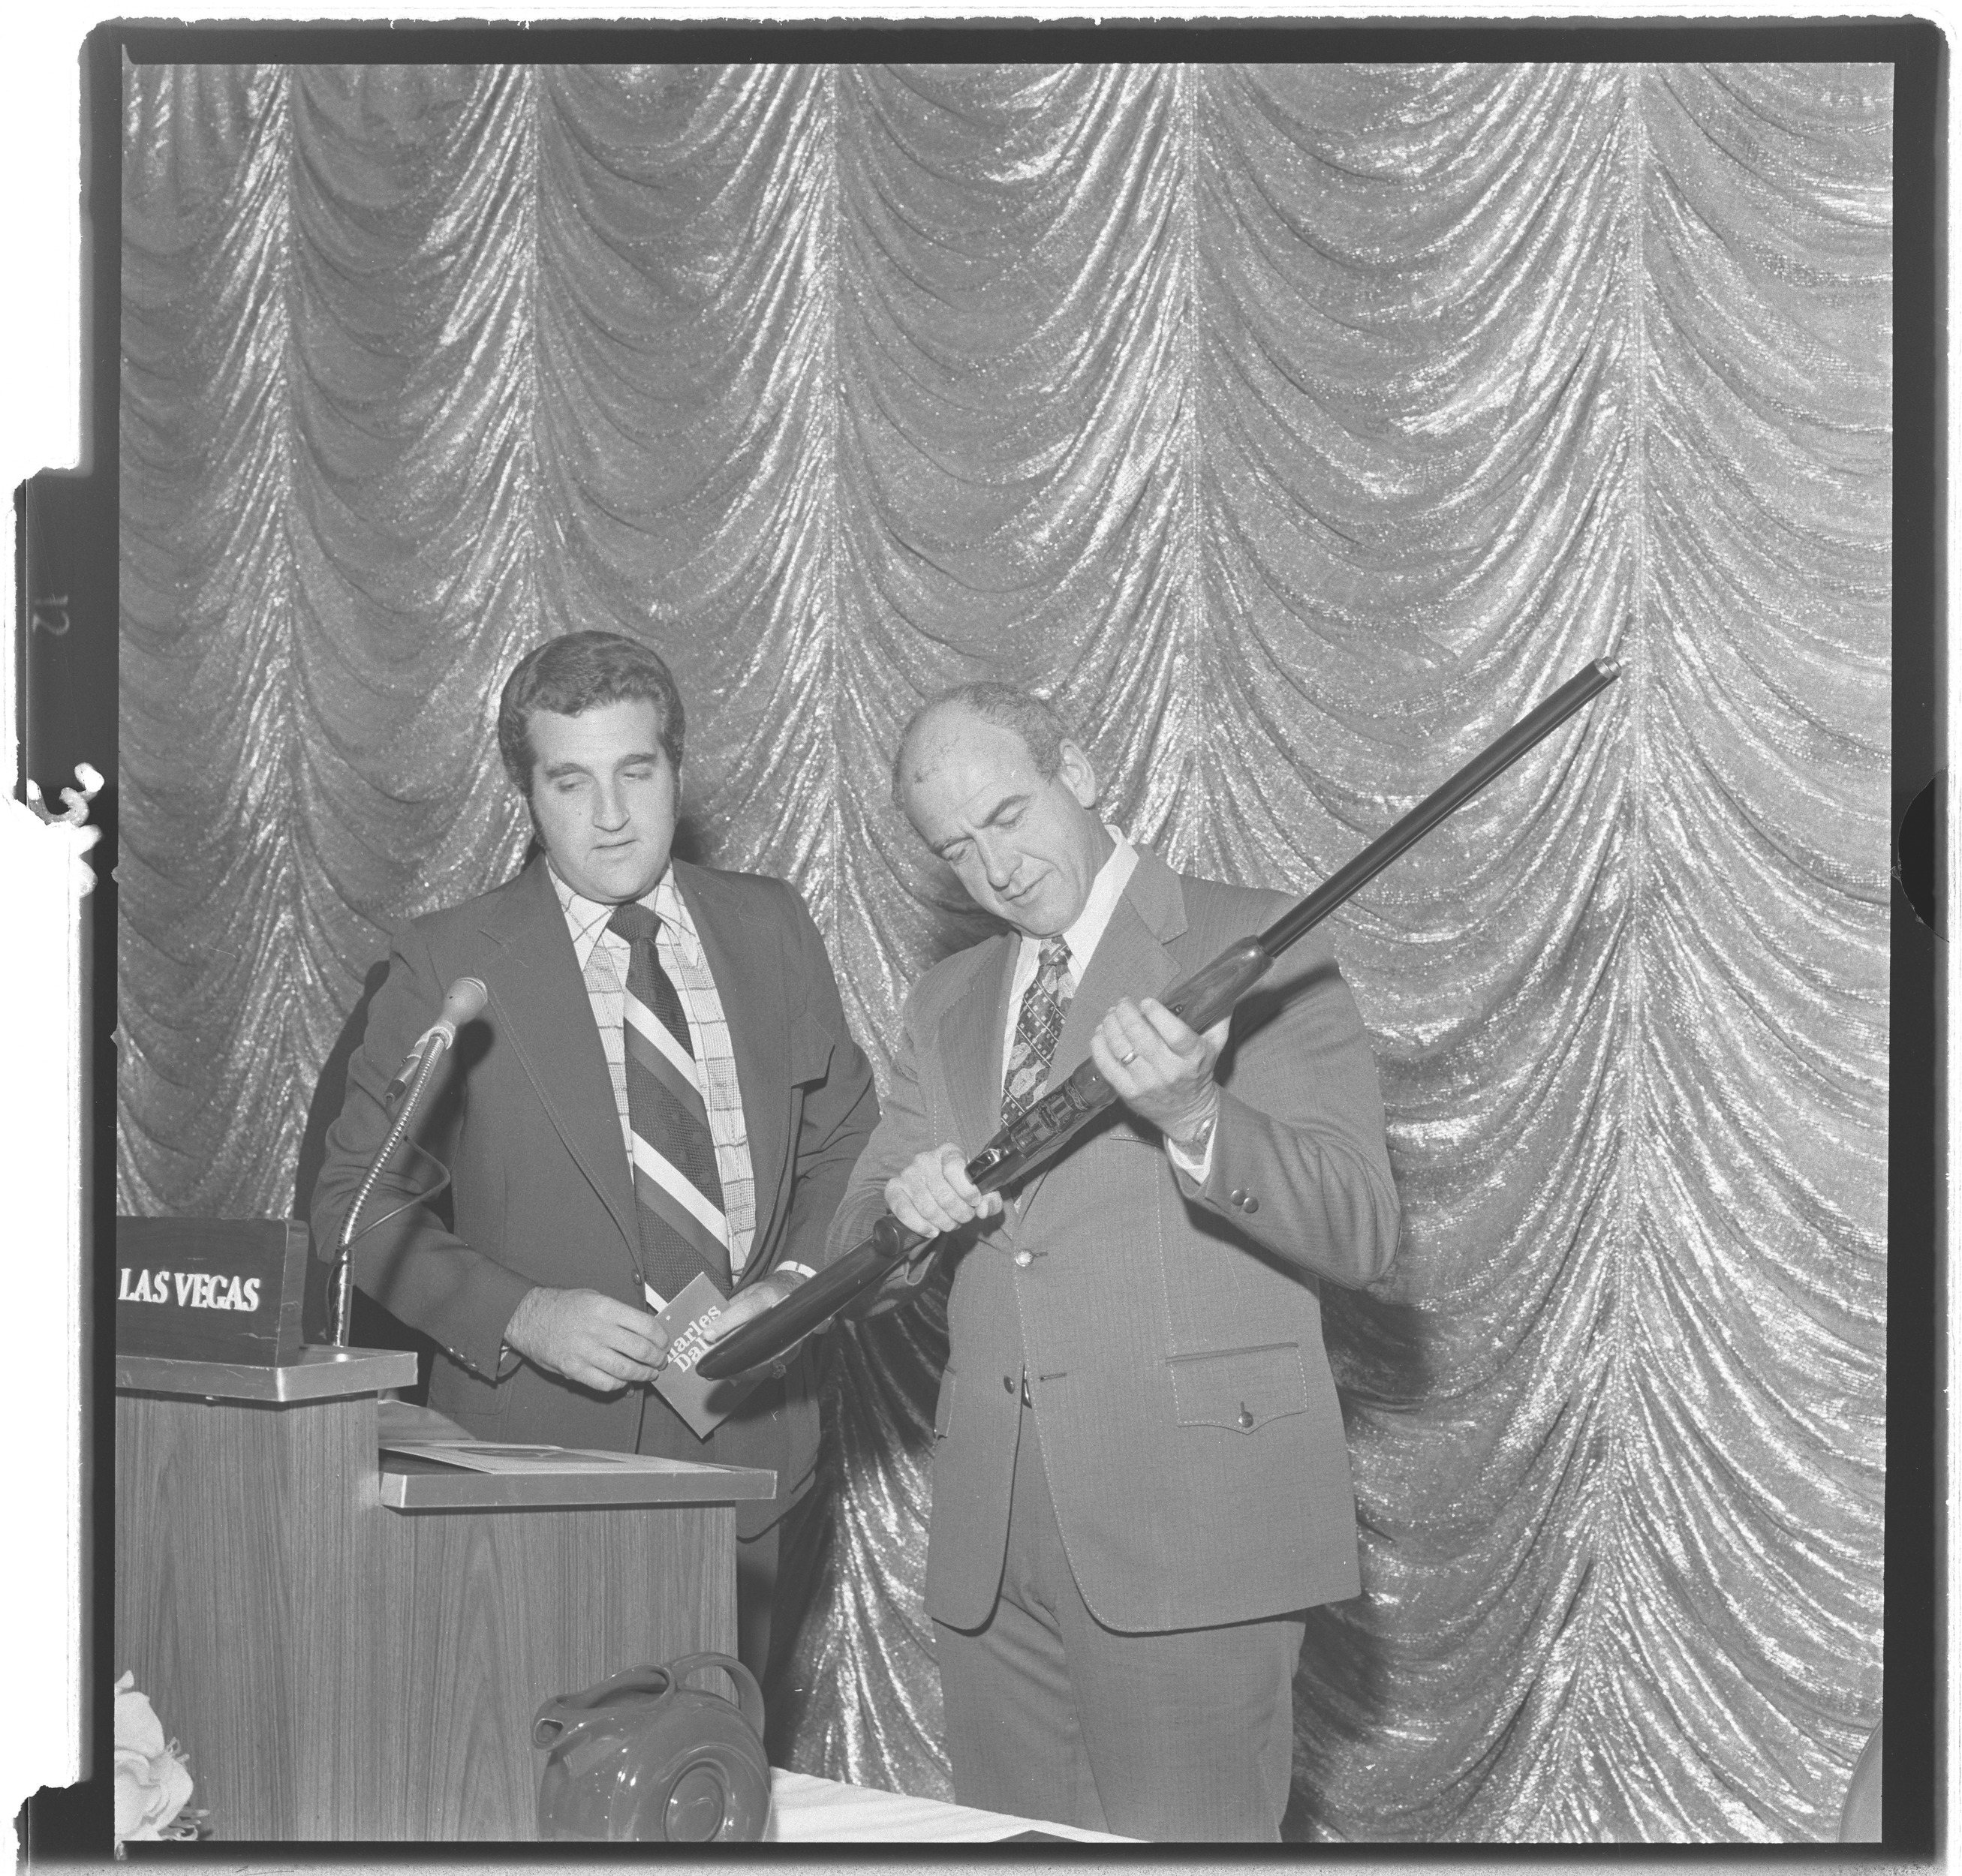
(1484, 767)
(1057, 1118)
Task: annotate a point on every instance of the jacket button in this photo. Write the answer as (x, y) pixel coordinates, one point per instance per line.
(1237, 1198)
(1007, 1383)
(1246, 1419)
(1023, 1259)
(1250, 1204)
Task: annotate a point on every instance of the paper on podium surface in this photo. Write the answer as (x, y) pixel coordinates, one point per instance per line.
(485, 1455)
(704, 1404)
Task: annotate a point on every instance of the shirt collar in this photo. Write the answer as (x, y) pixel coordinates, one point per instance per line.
(585, 919)
(1084, 936)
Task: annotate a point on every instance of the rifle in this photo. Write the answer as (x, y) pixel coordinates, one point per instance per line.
(1043, 1130)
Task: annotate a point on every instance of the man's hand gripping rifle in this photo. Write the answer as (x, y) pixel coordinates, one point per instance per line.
(1043, 1130)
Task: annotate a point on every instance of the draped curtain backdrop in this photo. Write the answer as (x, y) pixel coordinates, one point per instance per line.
(1297, 428)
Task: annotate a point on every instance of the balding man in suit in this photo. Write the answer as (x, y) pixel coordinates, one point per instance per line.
(1140, 1482)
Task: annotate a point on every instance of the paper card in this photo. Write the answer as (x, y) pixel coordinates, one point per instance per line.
(704, 1404)
(481, 1456)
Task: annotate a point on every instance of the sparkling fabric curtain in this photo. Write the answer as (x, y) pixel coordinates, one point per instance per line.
(1297, 427)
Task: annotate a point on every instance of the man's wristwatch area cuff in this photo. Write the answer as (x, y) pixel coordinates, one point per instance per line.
(1195, 1147)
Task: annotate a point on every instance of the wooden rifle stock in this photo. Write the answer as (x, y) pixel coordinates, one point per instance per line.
(1042, 1132)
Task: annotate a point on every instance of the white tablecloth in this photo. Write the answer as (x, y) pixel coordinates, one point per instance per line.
(806, 1810)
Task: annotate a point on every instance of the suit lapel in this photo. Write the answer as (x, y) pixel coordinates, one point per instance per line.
(746, 958)
(969, 1042)
(542, 1009)
(1130, 960)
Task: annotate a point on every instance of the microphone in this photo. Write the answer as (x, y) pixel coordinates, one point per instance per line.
(464, 1000)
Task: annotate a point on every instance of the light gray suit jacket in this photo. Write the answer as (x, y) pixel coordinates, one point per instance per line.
(1170, 1334)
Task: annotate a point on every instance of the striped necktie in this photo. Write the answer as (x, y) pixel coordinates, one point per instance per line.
(683, 1229)
(1037, 1026)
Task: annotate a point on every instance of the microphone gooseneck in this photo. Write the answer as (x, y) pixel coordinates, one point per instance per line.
(462, 1002)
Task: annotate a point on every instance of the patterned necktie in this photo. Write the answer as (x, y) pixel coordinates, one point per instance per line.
(683, 1229)
(1036, 1028)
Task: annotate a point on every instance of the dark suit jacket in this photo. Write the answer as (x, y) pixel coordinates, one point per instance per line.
(542, 1190)
(1171, 1334)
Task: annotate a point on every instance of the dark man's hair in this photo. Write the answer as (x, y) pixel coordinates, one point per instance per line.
(1044, 733)
(576, 673)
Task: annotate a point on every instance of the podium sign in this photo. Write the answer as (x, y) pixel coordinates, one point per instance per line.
(210, 1289)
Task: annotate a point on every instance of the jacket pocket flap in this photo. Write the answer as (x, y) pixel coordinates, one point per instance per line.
(1240, 1388)
(810, 1049)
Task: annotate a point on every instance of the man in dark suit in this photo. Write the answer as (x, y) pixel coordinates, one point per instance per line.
(1139, 1478)
(662, 1083)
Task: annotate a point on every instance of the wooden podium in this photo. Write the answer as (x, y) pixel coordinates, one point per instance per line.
(348, 1646)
